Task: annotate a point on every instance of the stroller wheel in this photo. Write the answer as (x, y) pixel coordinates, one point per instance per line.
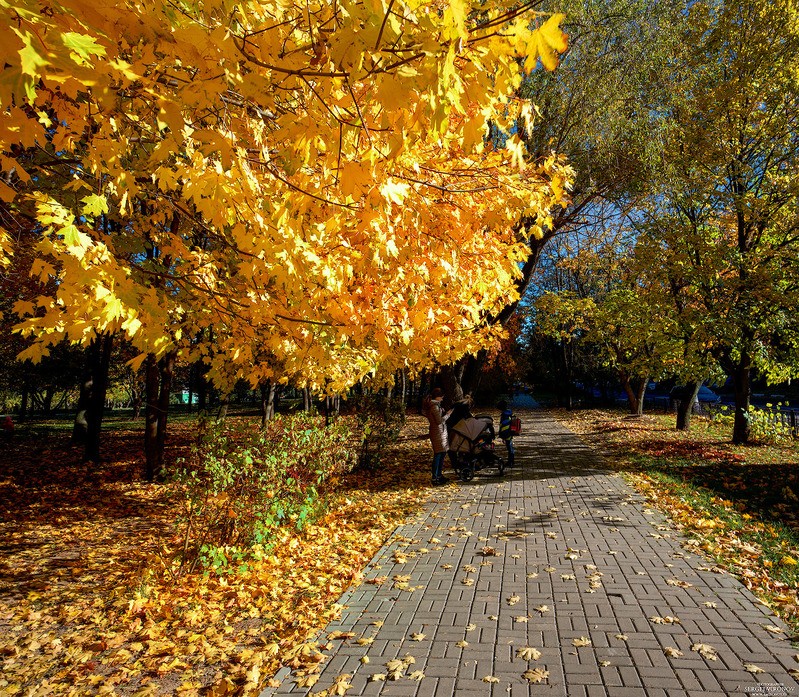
(466, 469)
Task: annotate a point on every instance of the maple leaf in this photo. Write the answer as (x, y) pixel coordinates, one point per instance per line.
(705, 650)
(490, 678)
(513, 600)
(462, 644)
(527, 653)
(416, 675)
(581, 641)
(752, 668)
(417, 637)
(542, 609)
(536, 675)
(396, 669)
(672, 652)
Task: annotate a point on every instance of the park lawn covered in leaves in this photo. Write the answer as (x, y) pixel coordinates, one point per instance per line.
(739, 505)
(86, 606)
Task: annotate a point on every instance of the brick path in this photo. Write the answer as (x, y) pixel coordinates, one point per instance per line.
(573, 537)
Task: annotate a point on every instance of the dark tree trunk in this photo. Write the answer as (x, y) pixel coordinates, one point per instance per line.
(80, 428)
(23, 406)
(742, 426)
(635, 394)
(91, 401)
(451, 376)
(685, 405)
(306, 398)
(99, 386)
(158, 379)
(202, 387)
(47, 402)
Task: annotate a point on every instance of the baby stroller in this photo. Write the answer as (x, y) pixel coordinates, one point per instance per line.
(471, 447)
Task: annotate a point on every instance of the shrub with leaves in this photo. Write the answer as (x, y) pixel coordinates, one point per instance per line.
(770, 424)
(242, 483)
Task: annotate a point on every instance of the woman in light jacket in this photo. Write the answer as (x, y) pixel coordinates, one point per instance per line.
(438, 432)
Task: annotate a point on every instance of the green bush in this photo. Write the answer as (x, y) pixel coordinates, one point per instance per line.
(242, 483)
(768, 424)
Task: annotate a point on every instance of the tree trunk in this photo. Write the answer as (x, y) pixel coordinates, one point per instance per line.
(23, 406)
(451, 376)
(267, 402)
(685, 405)
(641, 393)
(47, 402)
(91, 401)
(626, 384)
(80, 427)
(742, 426)
(99, 386)
(158, 379)
(224, 403)
(202, 387)
(306, 398)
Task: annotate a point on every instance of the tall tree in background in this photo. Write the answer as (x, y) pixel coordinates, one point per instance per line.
(726, 221)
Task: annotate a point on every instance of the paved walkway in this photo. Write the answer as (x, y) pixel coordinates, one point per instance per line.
(560, 556)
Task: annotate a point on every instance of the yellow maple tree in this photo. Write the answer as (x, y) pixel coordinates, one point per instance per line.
(312, 182)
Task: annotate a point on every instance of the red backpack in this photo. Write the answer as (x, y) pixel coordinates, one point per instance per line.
(515, 426)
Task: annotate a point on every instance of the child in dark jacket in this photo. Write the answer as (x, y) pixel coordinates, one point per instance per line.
(504, 430)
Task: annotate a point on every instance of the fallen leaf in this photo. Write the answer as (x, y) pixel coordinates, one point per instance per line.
(679, 583)
(340, 635)
(471, 627)
(377, 677)
(672, 652)
(364, 659)
(416, 675)
(416, 636)
(462, 644)
(528, 653)
(582, 641)
(604, 664)
(710, 604)
(490, 678)
(752, 668)
(307, 680)
(773, 629)
(467, 581)
(623, 637)
(535, 676)
(513, 600)
(706, 651)
(542, 609)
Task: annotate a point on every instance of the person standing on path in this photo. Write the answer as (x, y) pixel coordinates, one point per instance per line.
(504, 430)
(435, 414)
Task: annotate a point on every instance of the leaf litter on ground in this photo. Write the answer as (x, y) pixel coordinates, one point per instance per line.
(86, 589)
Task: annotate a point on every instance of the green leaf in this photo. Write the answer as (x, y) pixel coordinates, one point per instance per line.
(82, 46)
(94, 205)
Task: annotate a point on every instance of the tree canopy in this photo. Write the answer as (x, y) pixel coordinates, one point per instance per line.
(310, 184)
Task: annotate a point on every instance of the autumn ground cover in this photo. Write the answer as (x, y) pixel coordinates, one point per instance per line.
(738, 505)
(87, 605)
